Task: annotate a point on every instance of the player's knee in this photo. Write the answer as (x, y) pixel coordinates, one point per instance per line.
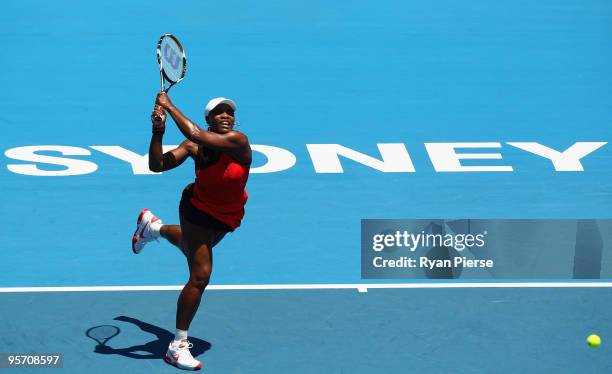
(200, 277)
(199, 282)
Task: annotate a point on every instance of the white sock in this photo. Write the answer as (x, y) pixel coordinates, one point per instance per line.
(154, 228)
(180, 335)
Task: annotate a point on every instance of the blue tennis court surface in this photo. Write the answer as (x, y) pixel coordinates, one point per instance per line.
(432, 331)
(382, 79)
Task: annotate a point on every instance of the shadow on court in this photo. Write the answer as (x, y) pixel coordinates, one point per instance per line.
(152, 350)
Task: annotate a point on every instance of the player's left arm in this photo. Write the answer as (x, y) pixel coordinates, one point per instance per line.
(234, 142)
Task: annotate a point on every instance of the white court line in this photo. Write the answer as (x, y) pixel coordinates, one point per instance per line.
(361, 287)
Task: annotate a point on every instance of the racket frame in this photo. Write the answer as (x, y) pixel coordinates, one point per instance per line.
(162, 74)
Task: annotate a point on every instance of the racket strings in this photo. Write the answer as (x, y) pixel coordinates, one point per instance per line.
(172, 59)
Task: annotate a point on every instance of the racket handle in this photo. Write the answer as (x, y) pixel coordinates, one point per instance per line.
(161, 78)
(163, 89)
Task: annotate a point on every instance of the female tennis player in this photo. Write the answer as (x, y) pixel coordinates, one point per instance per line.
(209, 208)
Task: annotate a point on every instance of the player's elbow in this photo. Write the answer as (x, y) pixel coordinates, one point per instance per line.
(156, 167)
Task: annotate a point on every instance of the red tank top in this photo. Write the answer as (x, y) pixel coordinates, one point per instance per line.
(219, 190)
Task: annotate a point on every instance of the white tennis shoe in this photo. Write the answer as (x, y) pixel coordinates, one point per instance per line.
(178, 355)
(143, 233)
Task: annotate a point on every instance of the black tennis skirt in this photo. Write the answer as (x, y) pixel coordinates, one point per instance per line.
(197, 216)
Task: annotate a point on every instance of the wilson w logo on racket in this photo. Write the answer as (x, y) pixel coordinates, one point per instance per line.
(171, 56)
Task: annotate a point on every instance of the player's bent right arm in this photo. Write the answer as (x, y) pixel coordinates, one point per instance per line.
(158, 160)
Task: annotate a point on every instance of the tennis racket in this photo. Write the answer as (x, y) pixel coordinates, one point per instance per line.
(172, 62)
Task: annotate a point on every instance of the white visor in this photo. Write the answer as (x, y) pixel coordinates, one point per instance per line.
(212, 104)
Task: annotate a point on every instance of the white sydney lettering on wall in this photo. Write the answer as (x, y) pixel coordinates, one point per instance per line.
(55, 160)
